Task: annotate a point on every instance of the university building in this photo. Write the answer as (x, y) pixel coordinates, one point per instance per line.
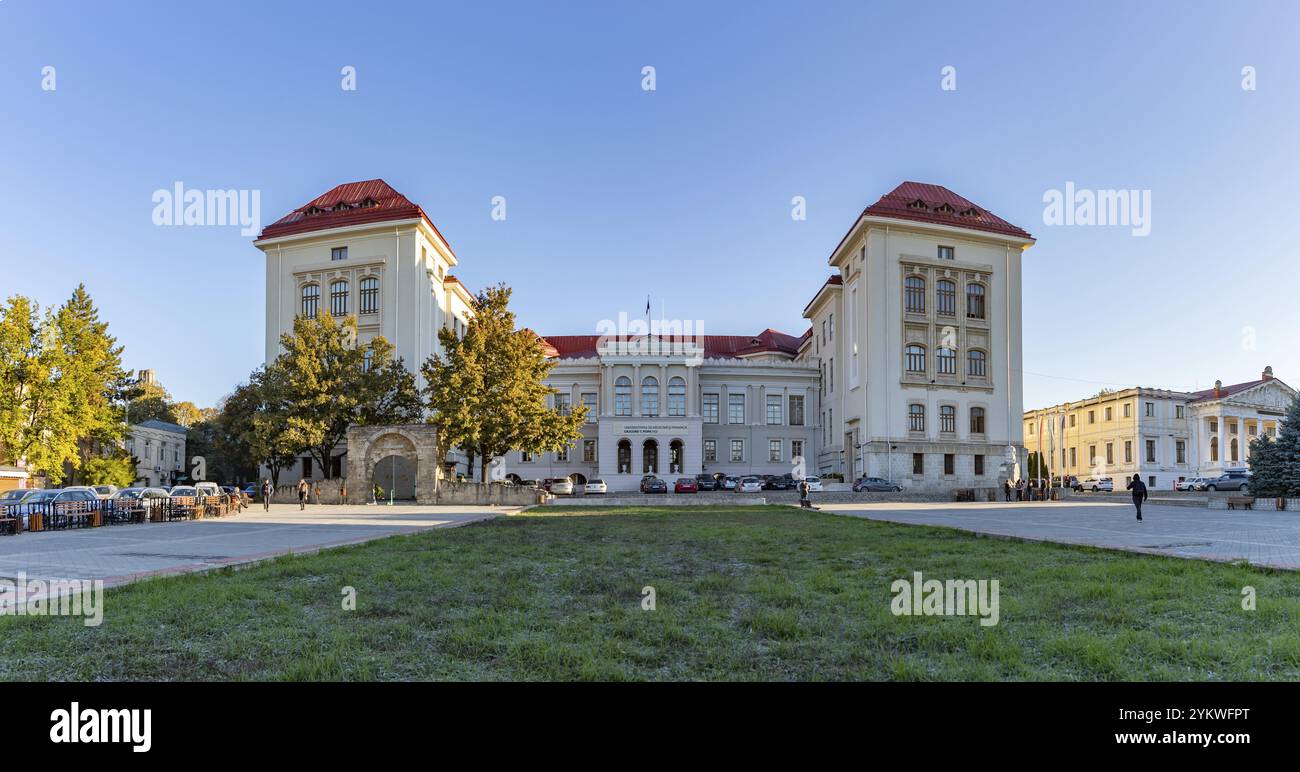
(1165, 436)
(909, 369)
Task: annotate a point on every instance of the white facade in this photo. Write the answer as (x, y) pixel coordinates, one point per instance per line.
(159, 450)
(918, 338)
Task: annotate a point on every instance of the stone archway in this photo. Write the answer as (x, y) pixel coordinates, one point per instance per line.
(401, 454)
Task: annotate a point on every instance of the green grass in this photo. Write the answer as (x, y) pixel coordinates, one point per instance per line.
(741, 593)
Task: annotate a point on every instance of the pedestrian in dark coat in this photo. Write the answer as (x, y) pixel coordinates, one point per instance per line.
(267, 490)
(1006, 489)
(1139, 489)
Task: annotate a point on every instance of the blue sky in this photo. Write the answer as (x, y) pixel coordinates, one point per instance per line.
(682, 193)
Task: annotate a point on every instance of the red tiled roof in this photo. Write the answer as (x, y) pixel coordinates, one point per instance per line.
(352, 203)
(715, 346)
(834, 280)
(936, 204)
(1228, 391)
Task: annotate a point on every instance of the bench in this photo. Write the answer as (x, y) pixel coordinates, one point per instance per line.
(73, 514)
(11, 525)
(1245, 502)
(183, 508)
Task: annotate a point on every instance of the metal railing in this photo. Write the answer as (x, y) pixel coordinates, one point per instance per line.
(64, 515)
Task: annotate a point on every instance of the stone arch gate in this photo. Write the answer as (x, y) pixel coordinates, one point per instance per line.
(401, 448)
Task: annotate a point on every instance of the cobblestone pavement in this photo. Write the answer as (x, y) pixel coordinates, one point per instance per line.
(1261, 538)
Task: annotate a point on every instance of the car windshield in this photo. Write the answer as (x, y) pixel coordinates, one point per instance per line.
(129, 493)
(595, 482)
(43, 496)
(12, 496)
(179, 491)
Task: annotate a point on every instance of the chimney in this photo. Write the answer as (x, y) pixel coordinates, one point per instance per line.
(1268, 373)
(1218, 389)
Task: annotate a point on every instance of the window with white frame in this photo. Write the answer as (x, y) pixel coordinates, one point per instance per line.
(676, 396)
(774, 451)
(649, 396)
(623, 396)
(773, 409)
(916, 418)
(735, 408)
(709, 408)
(710, 450)
(737, 451)
(310, 300)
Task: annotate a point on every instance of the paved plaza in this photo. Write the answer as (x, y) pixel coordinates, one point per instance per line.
(123, 553)
(1262, 538)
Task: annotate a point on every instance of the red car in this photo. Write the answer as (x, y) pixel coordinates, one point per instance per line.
(686, 485)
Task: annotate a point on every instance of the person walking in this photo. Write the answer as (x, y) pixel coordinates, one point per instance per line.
(1006, 489)
(267, 490)
(803, 494)
(303, 488)
(1139, 489)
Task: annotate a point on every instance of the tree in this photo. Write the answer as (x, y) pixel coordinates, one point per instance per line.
(61, 380)
(256, 418)
(117, 469)
(488, 393)
(187, 414)
(1037, 467)
(332, 383)
(1275, 464)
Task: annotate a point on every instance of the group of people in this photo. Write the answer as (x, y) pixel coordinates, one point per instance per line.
(1030, 492)
(304, 491)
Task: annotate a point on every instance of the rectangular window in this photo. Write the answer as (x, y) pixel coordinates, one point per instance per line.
(948, 419)
(1073, 458)
(774, 451)
(1128, 451)
(1092, 455)
(947, 253)
(1151, 451)
(796, 449)
(1151, 410)
(589, 401)
(1128, 410)
(710, 408)
(339, 253)
(525, 457)
(796, 410)
(1092, 416)
(1110, 453)
(1178, 411)
(562, 403)
(710, 450)
(918, 463)
(562, 454)
(369, 295)
(1180, 449)
(1072, 420)
(588, 451)
(914, 295)
(1214, 426)
(831, 320)
(735, 408)
(737, 451)
(830, 382)
(339, 292)
(949, 463)
(979, 466)
(975, 301)
(774, 410)
(1109, 414)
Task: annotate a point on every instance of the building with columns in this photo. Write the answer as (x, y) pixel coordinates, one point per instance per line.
(910, 370)
(1165, 436)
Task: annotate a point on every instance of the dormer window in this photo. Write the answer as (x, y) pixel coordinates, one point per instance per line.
(368, 202)
(945, 208)
(341, 207)
(971, 212)
(918, 204)
(314, 210)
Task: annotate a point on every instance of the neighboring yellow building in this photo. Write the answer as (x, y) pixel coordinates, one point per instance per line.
(1164, 436)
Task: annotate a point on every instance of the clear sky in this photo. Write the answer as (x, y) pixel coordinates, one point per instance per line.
(684, 192)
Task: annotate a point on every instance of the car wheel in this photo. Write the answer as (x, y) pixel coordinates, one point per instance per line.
(1211, 488)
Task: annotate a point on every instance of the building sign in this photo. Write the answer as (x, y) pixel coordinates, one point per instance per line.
(651, 429)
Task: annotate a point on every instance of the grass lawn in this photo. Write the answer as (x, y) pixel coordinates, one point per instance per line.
(741, 593)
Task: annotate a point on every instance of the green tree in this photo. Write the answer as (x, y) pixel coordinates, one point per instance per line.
(256, 418)
(489, 389)
(1038, 467)
(116, 469)
(1275, 464)
(332, 383)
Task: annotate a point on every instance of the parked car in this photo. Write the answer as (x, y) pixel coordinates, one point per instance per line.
(250, 490)
(730, 483)
(749, 485)
(783, 482)
(207, 488)
(1192, 484)
(184, 490)
(15, 496)
(149, 498)
(104, 491)
(595, 486)
(1095, 484)
(686, 485)
(705, 482)
(560, 486)
(1235, 480)
(652, 484)
(875, 485)
(814, 484)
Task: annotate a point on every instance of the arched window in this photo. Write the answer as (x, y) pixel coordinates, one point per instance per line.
(1232, 450)
(914, 295)
(915, 358)
(947, 419)
(649, 396)
(624, 456)
(1214, 448)
(369, 295)
(977, 420)
(945, 361)
(975, 301)
(310, 300)
(623, 396)
(916, 418)
(975, 363)
(339, 292)
(945, 298)
(676, 396)
(650, 457)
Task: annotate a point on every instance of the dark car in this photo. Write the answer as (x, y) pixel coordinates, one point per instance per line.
(686, 485)
(875, 485)
(1237, 480)
(705, 482)
(653, 485)
(783, 482)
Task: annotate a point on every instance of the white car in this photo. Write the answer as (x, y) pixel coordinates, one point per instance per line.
(595, 486)
(104, 491)
(749, 485)
(207, 488)
(562, 486)
(1193, 484)
(1095, 484)
(814, 484)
